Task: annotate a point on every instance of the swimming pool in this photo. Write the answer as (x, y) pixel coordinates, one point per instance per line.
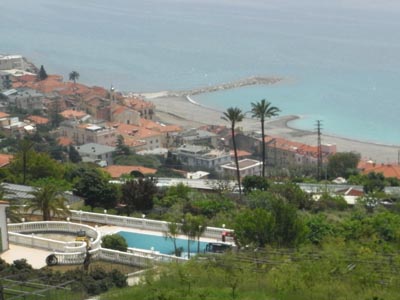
(158, 243)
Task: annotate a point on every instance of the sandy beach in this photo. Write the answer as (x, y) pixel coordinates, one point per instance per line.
(179, 110)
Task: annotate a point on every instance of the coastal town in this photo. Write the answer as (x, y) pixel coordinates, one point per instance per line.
(91, 119)
(89, 163)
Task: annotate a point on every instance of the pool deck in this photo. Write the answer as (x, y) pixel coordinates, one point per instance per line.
(35, 257)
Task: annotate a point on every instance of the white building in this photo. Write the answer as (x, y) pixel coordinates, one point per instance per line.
(202, 157)
(247, 167)
(3, 227)
(8, 62)
(100, 154)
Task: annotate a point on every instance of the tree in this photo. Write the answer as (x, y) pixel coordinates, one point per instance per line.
(172, 234)
(122, 148)
(93, 185)
(234, 115)
(343, 164)
(138, 194)
(254, 182)
(74, 76)
(74, 155)
(374, 182)
(42, 75)
(49, 201)
(190, 229)
(114, 242)
(54, 113)
(275, 222)
(263, 110)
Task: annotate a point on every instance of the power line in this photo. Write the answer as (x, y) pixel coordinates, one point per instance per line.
(319, 155)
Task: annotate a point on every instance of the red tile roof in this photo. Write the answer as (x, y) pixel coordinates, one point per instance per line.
(117, 171)
(64, 141)
(72, 114)
(3, 115)
(388, 170)
(38, 120)
(5, 159)
(240, 153)
(137, 104)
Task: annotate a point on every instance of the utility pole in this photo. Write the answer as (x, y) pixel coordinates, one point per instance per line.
(319, 154)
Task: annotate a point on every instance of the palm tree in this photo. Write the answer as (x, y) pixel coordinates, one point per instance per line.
(172, 234)
(263, 110)
(234, 115)
(74, 76)
(49, 201)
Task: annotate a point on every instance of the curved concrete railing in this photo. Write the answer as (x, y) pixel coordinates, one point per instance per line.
(24, 234)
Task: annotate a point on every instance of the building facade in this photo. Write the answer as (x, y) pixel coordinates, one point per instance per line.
(247, 167)
(201, 157)
(3, 227)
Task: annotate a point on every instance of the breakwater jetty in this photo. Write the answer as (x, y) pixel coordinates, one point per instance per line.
(225, 86)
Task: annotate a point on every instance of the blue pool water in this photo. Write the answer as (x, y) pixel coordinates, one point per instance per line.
(159, 243)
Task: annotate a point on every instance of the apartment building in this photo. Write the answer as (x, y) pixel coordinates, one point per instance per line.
(88, 133)
(201, 157)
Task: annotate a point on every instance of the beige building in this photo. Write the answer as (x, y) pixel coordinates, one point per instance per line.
(140, 138)
(145, 108)
(126, 115)
(200, 156)
(8, 62)
(88, 133)
(3, 227)
(247, 167)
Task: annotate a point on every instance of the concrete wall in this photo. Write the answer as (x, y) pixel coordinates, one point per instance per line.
(3, 227)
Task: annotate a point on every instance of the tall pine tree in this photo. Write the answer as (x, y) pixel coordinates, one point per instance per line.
(42, 75)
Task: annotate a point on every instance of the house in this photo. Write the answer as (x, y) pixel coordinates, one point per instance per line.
(145, 108)
(3, 227)
(24, 99)
(87, 133)
(197, 137)
(201, 156)
(14, 127)
(125, 115)
(281, 152)
(5, 81)
(8, 62)
(96, 153)
(247, 167)
(137, 171)
(388, 170)
(38, 120)
(139, 137)
(5, 159)
(74, 115)
(97, 106)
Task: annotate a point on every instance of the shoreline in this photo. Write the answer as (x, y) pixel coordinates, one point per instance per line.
(296, 117)
(181, 111)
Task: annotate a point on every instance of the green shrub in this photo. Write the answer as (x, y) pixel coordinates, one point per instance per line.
(114, 242)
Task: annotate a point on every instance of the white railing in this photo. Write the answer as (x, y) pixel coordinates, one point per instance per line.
(43, 243)
(16, 235)
(70, 258)
(138, 223)
(138, 258)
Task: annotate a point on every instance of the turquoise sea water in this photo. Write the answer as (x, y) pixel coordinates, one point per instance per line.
(342, 58)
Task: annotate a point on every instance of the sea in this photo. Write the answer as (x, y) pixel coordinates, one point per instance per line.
(340, 59)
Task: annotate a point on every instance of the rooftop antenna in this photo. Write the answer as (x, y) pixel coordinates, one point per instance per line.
(319, 150)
